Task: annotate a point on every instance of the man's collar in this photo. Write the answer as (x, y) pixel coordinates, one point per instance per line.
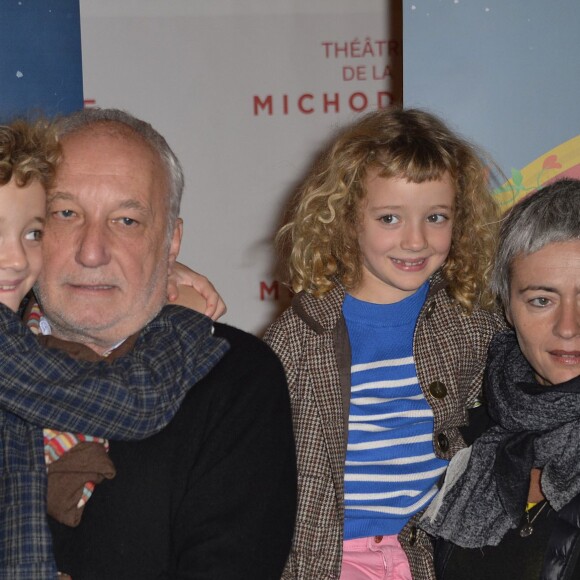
(33, 316)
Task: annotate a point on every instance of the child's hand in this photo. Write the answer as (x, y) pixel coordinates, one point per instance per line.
(190, 298)
(196, 289)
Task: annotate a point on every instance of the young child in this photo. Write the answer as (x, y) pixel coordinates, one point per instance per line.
(132, 398)
(384, 346)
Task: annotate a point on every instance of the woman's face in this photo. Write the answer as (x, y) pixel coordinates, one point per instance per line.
(544, 310)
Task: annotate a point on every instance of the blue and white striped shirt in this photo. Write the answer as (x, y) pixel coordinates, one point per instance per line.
(391, 468)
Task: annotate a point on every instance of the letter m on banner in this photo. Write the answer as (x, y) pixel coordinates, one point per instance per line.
(272, 291)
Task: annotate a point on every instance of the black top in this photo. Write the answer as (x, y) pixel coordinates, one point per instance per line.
(212, 496)
(551, 552)
(513, 559)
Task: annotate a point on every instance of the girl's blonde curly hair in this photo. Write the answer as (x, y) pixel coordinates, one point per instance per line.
(320, 239)
(29, 151)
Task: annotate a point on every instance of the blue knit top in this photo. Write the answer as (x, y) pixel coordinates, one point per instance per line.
(391, 468)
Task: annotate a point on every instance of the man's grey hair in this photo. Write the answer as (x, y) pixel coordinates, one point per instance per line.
(550, 215)
(80, 121)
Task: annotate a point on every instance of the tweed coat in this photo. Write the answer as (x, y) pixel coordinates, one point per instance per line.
(312, 342)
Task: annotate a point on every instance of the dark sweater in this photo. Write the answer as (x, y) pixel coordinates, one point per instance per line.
(552, 552)
(212, 496)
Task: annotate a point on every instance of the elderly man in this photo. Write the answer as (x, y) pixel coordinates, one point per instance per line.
(213, 494)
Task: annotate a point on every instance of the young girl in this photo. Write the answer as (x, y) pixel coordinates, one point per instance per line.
(384, 345)
(129, 399)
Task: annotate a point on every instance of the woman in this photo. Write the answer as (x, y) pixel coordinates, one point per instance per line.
(510, 505)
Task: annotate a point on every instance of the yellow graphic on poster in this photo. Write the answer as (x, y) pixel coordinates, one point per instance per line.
(562, 161)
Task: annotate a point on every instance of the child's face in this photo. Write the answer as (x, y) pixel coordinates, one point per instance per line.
(22, 212)
(404, 236)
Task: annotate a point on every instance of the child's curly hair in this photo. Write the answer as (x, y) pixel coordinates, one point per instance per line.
(29, 151)
(321, 235)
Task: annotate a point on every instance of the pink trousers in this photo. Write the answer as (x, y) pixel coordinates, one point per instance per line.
(375, 558)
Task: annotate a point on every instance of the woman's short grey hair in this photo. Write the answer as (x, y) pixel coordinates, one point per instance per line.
(81, 120)
(550, 215)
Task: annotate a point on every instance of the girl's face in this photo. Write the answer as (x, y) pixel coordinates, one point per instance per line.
(404, 235)
(22, 212)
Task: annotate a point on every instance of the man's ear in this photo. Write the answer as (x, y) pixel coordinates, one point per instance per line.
(175, 242)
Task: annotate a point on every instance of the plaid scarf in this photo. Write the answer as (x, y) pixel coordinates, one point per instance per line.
(188, 352)
(57, 443)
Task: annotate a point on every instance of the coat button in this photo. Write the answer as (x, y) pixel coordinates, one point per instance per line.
(430, 309)
(378, 539)
(413, 536)
(442, 442)
(438, 390)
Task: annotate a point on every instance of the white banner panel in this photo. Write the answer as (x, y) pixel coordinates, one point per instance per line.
(245, 92)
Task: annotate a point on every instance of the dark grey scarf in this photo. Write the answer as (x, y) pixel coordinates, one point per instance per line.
(486, 486)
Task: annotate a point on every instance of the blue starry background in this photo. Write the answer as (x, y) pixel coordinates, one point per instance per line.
(504, 73)
(40, 58)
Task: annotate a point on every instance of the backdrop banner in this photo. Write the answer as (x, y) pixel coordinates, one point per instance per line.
(246, 93)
